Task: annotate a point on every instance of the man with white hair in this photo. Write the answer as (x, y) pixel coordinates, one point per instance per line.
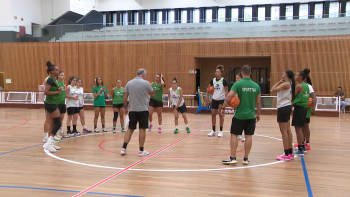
(138, 90)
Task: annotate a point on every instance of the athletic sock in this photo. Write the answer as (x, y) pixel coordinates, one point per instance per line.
(114, 126)
(214, 128)
(125, 145)
(186, 125)
(286, 152)
(141, 149)
(74, 128)
(220, 128)
(290, 151)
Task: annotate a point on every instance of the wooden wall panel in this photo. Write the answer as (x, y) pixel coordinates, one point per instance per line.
(326, 56)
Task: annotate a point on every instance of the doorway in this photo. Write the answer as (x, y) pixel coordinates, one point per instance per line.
(2, 81)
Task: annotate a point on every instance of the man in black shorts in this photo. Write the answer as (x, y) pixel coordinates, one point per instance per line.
(244, 118)
(138, 90)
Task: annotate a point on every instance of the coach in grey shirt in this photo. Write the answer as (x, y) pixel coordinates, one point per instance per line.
(138, 90)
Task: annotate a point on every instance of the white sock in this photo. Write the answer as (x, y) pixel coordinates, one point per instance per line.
(84, 127)
(160, 126)
(176, 126)
(46, 135)
(186, 125)
(50, 140)
(151, 123)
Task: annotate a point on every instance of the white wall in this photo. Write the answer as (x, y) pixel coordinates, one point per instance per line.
(109, 5)
(29, 10)
(53, 9)
(82, 6)
(5, 13)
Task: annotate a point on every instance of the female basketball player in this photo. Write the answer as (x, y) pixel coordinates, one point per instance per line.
(285, 89)
(118, 106)
(47, 118)
(72, 107)
(238, 78)
(176, 97)
(52, 92)
(220, 92)
(62, 105)
(156, 102)
(100, 93)
(300, 103)
(80, 92)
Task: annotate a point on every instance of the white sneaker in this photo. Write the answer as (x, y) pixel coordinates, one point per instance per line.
(212, 133)
(56, 147)
(49, 145)
(143, 153)
(220, 134)
(243, 139)
(123, 151)
(114, 131)
(56, 138)
(123, 131)
(104, 130)
(96, 130)
(239, 137)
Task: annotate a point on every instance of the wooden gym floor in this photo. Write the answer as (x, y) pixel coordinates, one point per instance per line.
(191, 167)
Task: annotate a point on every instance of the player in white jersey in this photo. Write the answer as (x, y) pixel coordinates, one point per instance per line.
(72, 107)
(80, 91)
(220, 92)
(178, 103)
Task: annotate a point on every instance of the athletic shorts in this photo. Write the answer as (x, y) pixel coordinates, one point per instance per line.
(307, 120)
(299, 116)
(118, 106)
(182, 109)
(238, 126)
(153, 103)
(62, 108)
(49, 108)
(81, 108)
(215, 104)
(100, 106)
(283, 113)
(73, 110)
(138, 117)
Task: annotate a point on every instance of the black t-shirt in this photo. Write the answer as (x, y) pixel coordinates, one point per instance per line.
(224, 82)
(339, 94)
(51, 82)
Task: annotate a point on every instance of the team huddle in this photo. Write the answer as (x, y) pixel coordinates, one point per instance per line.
(140, 99)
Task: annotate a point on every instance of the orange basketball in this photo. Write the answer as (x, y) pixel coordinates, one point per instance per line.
(310, 104)
(234, 102)
(210, 90)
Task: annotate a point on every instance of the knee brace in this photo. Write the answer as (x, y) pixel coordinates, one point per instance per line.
(57, 125)
(115, 118)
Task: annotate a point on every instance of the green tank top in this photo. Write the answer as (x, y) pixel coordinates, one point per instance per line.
(118, 96)
(53, 99)
(302, 99)
(159, 91)
(63, 93)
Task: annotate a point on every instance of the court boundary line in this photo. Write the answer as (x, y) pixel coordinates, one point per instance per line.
(307, 181)
(62, 190)
(344, 119)
(136, 163)
(16, 125)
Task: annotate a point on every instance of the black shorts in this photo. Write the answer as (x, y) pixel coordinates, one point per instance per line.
(307, 120)
(299, 116)
(238, 126)
(73, 110)
(138, 117)
(215, 104)
(81, 108)
(153, 103)
(49, 108)
(283, 113)
(62, 108)
(182, 109)
(118, 106)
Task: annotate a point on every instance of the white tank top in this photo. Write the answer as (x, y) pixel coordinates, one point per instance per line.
(80, 92)
(72, 102)
(284, 98)
(219, 89)
(175, 96)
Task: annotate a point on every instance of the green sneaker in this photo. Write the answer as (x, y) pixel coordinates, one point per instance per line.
(188, 130)
(176, 131)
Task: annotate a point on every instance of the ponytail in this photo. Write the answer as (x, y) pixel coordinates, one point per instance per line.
(290, 75)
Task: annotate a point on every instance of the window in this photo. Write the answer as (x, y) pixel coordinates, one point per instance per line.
(275, 13)
(289, 12)
(171, 16)
(208, 15)
(304, 11)
(183, 16)
(196, 16)
(136, 18)
(333, 9)
(234, 14)
(159, 17)
(125, 18)
(147, 18)
(318, 10)
(221, 14)
(261, 13)
(248, 13)
(348, 8)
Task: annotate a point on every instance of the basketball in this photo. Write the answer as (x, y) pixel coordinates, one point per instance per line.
(210, 90)
(309, 105)
(234, 102)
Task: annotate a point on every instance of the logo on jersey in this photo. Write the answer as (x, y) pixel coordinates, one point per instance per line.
(248, 89)
(217, 86)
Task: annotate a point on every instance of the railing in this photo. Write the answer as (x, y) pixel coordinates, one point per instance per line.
(267, 102)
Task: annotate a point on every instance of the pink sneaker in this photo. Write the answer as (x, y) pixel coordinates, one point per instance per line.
(150, 127)
(123, 151)
(307, 146)
(86, 131)
(291, 156)
(159, 130)
(283, 158)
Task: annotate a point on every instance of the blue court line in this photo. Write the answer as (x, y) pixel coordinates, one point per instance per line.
(20, 149)
(62, 190)
(309, 191)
